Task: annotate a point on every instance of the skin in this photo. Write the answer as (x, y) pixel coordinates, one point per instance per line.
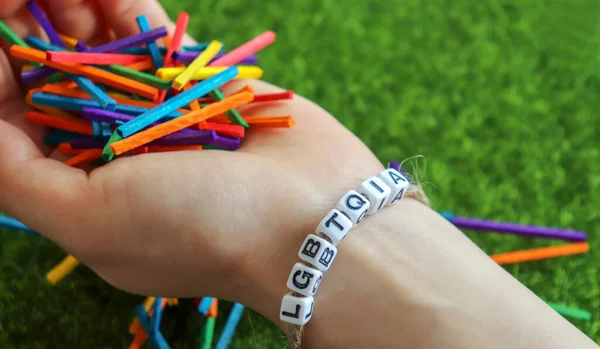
(229, 224)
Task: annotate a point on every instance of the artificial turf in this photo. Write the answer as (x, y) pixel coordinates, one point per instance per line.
(500, 97)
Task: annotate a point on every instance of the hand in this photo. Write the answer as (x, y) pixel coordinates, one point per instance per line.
(176, 224)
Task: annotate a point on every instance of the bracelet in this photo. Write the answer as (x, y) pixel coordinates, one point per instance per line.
(318, 250)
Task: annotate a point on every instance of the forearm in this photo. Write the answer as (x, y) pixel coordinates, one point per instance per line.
(406, 278)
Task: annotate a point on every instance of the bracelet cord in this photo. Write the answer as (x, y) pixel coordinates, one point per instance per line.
(415, 191)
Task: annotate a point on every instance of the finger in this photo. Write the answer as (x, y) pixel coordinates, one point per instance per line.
(10, 8)
(121, 16)
(43, 193)
(77, 18)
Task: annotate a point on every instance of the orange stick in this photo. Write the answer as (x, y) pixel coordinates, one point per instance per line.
(277, 124)
(255, 119)
(84, 158)
(541, 253)
(167, 148)
(66, 123)
(94, 74)
(214, 309)
(179, 123)
(140, 66)
(140, 338)
(93, 58)
(194, 105)
(48, 110)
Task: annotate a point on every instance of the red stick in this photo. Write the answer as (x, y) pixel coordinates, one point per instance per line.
(236, 131)
(93, 58)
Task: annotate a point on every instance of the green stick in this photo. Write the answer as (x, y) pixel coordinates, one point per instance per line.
(146, 78)
(232, 114)
(574, 313)
(207, 333)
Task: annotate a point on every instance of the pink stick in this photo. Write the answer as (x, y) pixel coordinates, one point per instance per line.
(251, 47)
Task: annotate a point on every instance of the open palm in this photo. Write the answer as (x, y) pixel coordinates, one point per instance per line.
(174, 224)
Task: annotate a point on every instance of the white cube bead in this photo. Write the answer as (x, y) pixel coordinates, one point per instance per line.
(296, 310)
(377, 192)
(318, 252)
(354, 205)
(395, 181)
(304, 280)
(335, 225)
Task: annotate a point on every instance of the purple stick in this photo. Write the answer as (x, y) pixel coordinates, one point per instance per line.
(518, 229)
(189, 56)
(35, 74)
(36, 11)
(80, 46)
(131, 41)
(395, 164)
(177, 138)
(111, 117)
(226, 142)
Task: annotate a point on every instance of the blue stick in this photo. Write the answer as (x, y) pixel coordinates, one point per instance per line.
(232, 321)
(70, 103)
(182, 99)
(157, 339)
(85, 84)
(94, 91)
(154, 51)
(163, 50)
(156, 314)
(204, 305)
(11, 223)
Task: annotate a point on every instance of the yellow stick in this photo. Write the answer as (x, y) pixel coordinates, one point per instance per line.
(244, 72)
(62, 269)
(135, 324)
(200, 62)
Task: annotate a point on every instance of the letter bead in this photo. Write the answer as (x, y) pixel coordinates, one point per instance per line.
(377, 192)
(304, 280)
(396, 182)
(354, 205)
(296, 310)
(335, 225)
(318, 252)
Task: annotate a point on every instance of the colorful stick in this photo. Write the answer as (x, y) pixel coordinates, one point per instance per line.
(94, 74)
(189, 56)
(205, 305)
(232, 114)
(232, 321)
(245, 50)
(208, 333)
(62, 269)
(10, 36)
(36, 11)
(92, 58)
(245, 72)
(574, 313)
(178, 101)
(152, 47)
(180, 123)
(540, 253)
(131, 41)
(201, 61)
(517, 229)
(11, 223)
(180, 29)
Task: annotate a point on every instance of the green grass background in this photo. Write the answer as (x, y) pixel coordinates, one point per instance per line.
(501, 97)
